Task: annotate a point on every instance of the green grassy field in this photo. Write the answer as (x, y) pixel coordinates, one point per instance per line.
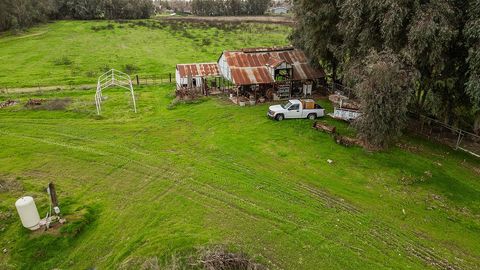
(165, 183)
(77, 52)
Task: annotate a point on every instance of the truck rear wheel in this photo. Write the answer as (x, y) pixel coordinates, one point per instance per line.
(279, 117)
(312, 116)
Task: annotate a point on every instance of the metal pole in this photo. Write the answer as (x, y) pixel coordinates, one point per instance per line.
(459, 139)
(133, 98)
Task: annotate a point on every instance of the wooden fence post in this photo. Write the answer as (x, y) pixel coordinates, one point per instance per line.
(138, 81)
(170, 77)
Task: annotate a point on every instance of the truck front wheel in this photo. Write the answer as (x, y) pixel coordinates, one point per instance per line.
(312, 116)
(279, 117)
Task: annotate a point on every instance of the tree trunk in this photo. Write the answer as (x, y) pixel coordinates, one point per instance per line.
(476, 125)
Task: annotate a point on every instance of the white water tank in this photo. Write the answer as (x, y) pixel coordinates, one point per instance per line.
(27, 210)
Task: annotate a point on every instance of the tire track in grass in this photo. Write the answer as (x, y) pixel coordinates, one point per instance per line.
(386, 234)
(276, 219)
(243, 177)
(407, 243)
(380, 231)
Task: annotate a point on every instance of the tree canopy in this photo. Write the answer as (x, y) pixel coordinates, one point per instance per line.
(229, 7)
(438, 39)
(18, 14)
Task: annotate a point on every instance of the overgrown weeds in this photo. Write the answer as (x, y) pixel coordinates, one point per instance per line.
(63, 61)
(97, 28)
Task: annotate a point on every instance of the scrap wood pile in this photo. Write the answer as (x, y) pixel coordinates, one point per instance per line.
(339, 139)
(221, 259)
(344, 102)
(186, 93)
(7, 103)
(35, 102)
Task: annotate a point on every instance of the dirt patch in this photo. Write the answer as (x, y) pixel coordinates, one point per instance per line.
(57, 104)
(10, 185)
(233, 19)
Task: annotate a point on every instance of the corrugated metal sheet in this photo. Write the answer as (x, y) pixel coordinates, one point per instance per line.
(249, 66)
(198, 70)
(274, 62)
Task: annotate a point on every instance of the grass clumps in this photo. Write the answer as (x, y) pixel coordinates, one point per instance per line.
(130, 68)
(63, 61)
(80, 220)
(97, 28)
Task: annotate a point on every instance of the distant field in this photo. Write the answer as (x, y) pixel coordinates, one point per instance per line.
(236, 19)
(76, 52)
(155, 187)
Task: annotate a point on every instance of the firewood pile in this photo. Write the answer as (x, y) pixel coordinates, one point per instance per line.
(7, 103)
(324, 127)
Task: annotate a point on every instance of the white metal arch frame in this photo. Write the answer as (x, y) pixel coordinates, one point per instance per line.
(113, 77)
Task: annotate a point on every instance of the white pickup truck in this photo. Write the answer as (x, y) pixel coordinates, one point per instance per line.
(305, 108)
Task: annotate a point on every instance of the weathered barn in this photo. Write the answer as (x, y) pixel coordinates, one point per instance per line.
(270, 73)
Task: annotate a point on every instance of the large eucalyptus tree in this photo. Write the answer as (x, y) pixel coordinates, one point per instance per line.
(437, 39)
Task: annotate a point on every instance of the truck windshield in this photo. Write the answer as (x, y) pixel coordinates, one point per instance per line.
(287, 105)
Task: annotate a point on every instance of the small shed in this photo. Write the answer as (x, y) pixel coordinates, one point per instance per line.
(195, 75)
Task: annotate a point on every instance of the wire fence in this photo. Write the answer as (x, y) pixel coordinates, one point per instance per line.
(153, 79)
(454, 137)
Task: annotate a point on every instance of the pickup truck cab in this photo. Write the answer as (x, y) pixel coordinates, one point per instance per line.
(296, 108)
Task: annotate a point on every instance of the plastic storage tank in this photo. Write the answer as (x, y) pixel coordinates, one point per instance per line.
(27, 210)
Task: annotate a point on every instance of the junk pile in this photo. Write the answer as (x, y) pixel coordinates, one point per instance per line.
(7, 103)
(345, 108)
(35, 102)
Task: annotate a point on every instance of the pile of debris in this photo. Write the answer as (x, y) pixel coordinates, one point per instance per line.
(345, 108)
(35, 102)
(7, 103)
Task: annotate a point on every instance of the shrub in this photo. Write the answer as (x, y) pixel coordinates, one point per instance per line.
(130, 68)
(206, 42)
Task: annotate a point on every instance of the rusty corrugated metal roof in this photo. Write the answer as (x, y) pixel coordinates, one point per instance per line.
(198, 70)
(274, 62)
(249, 66)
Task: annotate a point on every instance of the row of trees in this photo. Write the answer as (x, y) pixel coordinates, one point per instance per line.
(18, 14)
(420, 54)
(229, 7)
